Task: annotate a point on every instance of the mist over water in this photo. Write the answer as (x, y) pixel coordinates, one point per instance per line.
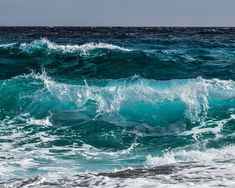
(111, 106)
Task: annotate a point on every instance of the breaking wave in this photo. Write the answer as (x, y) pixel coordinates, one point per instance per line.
(126, 101)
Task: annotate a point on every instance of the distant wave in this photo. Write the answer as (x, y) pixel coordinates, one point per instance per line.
(46, 47)
(110, 61)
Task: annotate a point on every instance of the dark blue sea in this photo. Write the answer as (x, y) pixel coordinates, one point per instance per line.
(117, 107)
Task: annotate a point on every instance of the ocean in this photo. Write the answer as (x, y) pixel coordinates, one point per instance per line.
(117, 107)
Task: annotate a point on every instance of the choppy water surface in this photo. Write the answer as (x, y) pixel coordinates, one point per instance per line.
(113, 107)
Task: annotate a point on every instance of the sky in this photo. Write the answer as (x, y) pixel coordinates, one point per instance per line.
(117, 12)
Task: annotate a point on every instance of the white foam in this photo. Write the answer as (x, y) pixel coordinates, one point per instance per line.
(194, 176)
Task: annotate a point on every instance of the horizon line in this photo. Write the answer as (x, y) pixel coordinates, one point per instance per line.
(108, 26)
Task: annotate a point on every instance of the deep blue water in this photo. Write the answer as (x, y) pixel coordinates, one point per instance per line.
(101, 100)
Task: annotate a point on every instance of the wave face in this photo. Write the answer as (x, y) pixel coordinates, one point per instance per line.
(93, 108)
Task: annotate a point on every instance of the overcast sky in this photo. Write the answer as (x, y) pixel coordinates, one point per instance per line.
(117, 12)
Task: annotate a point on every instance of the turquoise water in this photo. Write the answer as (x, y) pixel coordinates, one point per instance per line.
(101, 100)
